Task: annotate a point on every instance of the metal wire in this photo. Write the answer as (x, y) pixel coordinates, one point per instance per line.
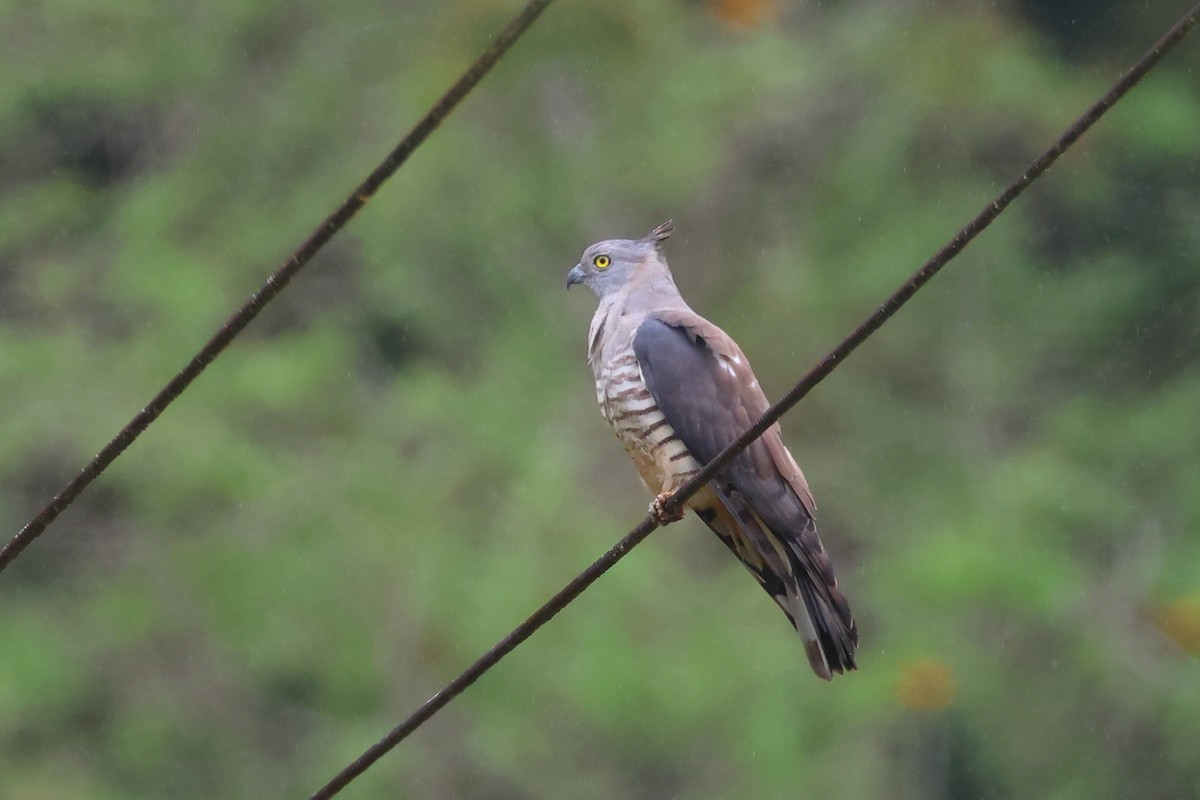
(275, 283)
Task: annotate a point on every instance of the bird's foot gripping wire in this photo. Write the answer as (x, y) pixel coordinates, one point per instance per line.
(659, 512)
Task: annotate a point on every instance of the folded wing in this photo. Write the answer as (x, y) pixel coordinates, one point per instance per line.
(705, 388)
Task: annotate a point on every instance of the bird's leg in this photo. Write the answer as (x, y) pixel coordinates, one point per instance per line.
(660, 514)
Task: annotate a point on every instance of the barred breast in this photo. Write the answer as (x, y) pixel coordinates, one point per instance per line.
(662, 459)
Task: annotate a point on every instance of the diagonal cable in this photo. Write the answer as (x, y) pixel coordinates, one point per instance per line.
(276, 282)
(818, 373)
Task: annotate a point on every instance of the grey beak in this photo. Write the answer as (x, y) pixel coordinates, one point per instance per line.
(575, 276)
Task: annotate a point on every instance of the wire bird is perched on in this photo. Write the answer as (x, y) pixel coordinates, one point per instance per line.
(677, 390)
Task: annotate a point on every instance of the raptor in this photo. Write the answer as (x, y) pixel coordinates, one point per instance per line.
(677, 390)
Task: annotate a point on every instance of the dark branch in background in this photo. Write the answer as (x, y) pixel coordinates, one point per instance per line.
(806, 384)
(276, 283)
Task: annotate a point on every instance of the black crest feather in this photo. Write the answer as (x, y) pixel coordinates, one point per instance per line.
(661, 233)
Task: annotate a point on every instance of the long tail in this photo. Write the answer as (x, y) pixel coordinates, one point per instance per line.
(793, 568)
(823, 616)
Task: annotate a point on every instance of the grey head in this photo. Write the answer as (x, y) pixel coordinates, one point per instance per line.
(607, 266)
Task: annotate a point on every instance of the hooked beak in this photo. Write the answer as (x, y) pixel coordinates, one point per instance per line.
(575, 276)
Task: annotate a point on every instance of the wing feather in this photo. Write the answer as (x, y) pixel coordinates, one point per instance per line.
(703, 385)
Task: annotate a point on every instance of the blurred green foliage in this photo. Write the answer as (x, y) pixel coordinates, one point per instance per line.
(401, 458)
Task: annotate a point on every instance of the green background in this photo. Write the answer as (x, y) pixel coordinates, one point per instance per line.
(402, 457)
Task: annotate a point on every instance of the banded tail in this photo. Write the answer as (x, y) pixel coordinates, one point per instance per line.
(791, 565)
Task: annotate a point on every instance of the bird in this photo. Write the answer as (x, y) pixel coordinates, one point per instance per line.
(677, 390)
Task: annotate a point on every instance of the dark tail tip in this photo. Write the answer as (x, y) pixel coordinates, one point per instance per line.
(816, 660)
(837, 635)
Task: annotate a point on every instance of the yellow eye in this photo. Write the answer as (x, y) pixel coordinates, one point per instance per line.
(601, 262)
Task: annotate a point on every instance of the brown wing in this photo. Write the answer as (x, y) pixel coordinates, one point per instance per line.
(736, 388)
(705, 388)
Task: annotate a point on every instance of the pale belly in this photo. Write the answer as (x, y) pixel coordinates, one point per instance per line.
(661, 458)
